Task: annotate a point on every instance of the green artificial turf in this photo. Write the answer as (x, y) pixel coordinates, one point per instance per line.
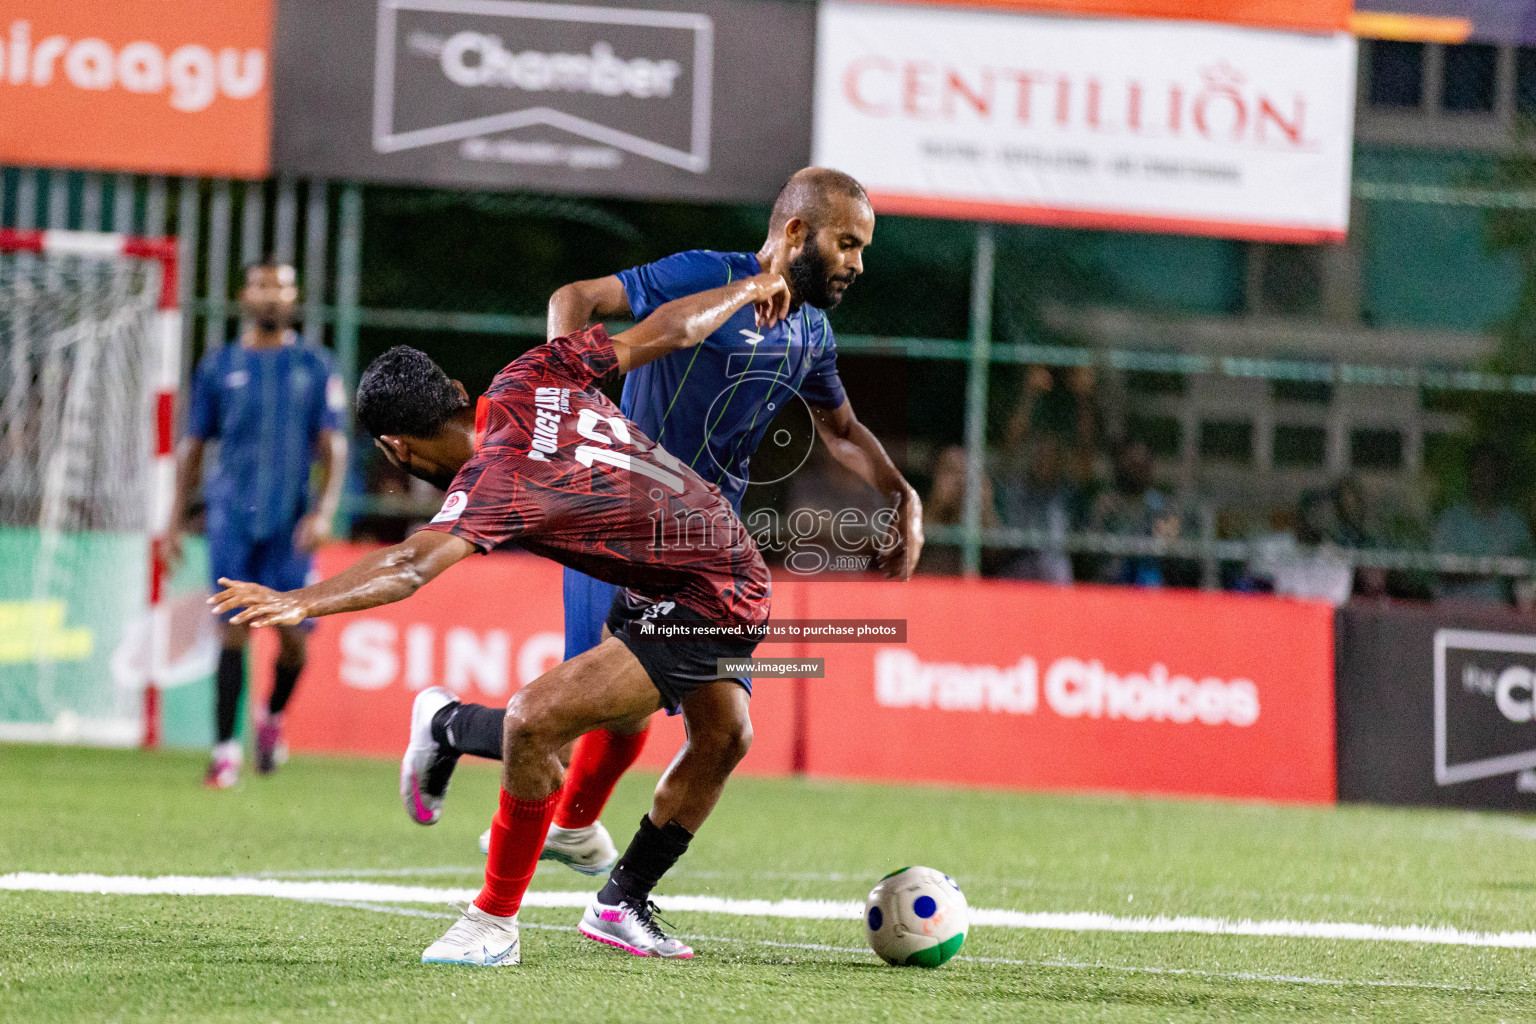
(71, 957)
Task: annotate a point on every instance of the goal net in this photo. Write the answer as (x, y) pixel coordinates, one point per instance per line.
(87, 374)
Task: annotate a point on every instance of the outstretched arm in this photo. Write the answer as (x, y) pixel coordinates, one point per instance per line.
(383, 577)
(853, 444)
(685, 322)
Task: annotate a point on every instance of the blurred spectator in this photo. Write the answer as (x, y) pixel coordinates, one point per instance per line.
(1308, 563)
(1482, 524)
(1040, 478)
(1132, 507)
(1335, 521)
(1348, 526)
(945, 506)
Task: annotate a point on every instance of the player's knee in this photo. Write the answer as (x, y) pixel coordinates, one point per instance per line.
(740, 743)
(528, 727)
(724, 744)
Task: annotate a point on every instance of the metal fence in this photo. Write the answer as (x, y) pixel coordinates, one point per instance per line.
(318, 225)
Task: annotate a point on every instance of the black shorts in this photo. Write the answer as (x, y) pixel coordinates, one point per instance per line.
(676, 667)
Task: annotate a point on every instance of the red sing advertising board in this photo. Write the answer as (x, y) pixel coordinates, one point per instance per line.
(485, 628)
(999, 684)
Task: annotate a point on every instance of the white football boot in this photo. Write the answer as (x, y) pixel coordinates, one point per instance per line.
(589, 850)
(477, 939)
(633, 928)
(426, 767)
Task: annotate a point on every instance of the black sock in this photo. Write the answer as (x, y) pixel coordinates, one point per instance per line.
(651, 854)
(470, 729)
(231, 685)
(282, 687)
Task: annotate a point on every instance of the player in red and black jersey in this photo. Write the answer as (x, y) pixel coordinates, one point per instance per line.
(545, 462)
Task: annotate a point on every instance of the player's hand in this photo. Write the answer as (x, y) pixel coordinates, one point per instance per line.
(899, 560)
(312, 531)
(262, 606)
(772, 302)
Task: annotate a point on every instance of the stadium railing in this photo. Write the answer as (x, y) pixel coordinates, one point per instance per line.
(318, 225)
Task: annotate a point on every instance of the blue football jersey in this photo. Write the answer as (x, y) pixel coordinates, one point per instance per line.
(266, 407)
(711, 404)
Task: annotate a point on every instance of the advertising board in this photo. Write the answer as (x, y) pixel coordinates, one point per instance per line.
(161, 86)
(1032, 686)
(484, 629)
(1436, 706)
(1123, 125)
(697, 99)
(1065, 688)
(1301, 15)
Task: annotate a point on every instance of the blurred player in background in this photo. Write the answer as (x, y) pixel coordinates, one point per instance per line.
(710, 407)
(274, 405)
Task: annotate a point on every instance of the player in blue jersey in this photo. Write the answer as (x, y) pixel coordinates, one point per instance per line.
(274, 405)
(710, 406)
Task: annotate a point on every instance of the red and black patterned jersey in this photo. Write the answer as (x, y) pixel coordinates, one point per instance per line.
(559, 472)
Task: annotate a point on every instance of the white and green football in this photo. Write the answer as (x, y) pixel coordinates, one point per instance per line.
(916, 917)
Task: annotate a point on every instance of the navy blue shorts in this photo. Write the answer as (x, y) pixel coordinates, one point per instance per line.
(272, 562)
(586, 609)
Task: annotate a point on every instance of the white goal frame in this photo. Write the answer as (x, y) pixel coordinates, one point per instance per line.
(167, 333)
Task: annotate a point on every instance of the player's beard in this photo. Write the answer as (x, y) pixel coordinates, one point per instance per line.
(269, 319)
(809, 278)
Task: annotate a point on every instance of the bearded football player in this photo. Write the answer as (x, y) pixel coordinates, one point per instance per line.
(711, 407)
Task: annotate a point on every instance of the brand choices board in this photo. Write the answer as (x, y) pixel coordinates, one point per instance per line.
(693, 99)
(998, 684)
(166, 86)
(1437, 706)
(1126, 125)
(1026, 685)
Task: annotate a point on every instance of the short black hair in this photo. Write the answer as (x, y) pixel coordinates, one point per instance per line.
(403, 392)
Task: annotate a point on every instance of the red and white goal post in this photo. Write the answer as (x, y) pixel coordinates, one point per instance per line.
(116, 292)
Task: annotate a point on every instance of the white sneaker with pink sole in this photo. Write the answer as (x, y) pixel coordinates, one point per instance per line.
(633, 928)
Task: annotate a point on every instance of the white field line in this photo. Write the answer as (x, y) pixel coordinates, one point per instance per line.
(423, 872)
(821, 910)
(1071, 965)
(1040, 891)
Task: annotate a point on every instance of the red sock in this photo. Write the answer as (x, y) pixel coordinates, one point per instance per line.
(517, 838)
(601, 758)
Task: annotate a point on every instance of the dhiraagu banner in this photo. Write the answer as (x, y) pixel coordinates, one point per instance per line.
(74, 640)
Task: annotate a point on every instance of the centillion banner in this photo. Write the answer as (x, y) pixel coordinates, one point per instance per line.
(1149, 125)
